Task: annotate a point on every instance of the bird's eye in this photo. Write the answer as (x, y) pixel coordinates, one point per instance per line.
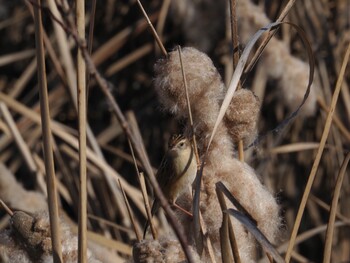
(181, 144)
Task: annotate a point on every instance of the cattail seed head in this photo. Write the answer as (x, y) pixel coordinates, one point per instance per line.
(203, 80)
(242, 115)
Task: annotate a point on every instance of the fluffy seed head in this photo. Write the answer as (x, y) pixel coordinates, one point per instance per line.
(242, 115)
(203, 80)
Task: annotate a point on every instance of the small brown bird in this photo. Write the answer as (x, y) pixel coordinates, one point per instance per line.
(177, 171)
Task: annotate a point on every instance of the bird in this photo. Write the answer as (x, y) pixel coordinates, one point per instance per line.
(176, 172)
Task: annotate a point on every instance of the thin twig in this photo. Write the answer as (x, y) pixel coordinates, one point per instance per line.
(81, 91)
(141, 179)
(24, 149)
(7, 209)
(224, 234)
(90, 42)
(154, 32)
(194, 141)
(342, 128)
(330, 226)
(327, 208)
(234, 33)
(136, 230)
(109, 223)
(161, 20)
(198, 237)
(48, 154)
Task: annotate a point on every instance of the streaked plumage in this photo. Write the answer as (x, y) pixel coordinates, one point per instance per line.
(176, 172)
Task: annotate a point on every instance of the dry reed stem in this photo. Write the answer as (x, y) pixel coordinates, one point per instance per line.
(296, 147)
(234, 32)
(109, 133)
(318, 156)
(109, 48)
(90, 43)
(82, 114)
(109, 223)
(147, 205)
(67, 177)
(161, 22)
(23, 80)
(309, 234)
(64, 148)
(91, 26)
(5, 129)
(128, 59)
(121, 154)
(327, 208)
(110, 243)
(142, 183)
(48, 155)
(233, 242)
(106, 242)
(132, 219)
(14, 57)
(330, 226)
(60, 187)
(50, 50)
(162, 17)
(136, 132)
(224, 233)
(6, 208)
(64, 51)
(154, 32)
(194, 141)
(206, 240)
(342, 128)
(24, 149)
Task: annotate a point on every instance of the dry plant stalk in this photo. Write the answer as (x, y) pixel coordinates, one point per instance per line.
(330, 227)
(81, 91)
(48, 154)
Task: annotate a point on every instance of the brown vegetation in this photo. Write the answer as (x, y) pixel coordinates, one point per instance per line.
(300, 165)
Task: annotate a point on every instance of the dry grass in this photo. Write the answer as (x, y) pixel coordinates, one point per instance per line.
(305, 163)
